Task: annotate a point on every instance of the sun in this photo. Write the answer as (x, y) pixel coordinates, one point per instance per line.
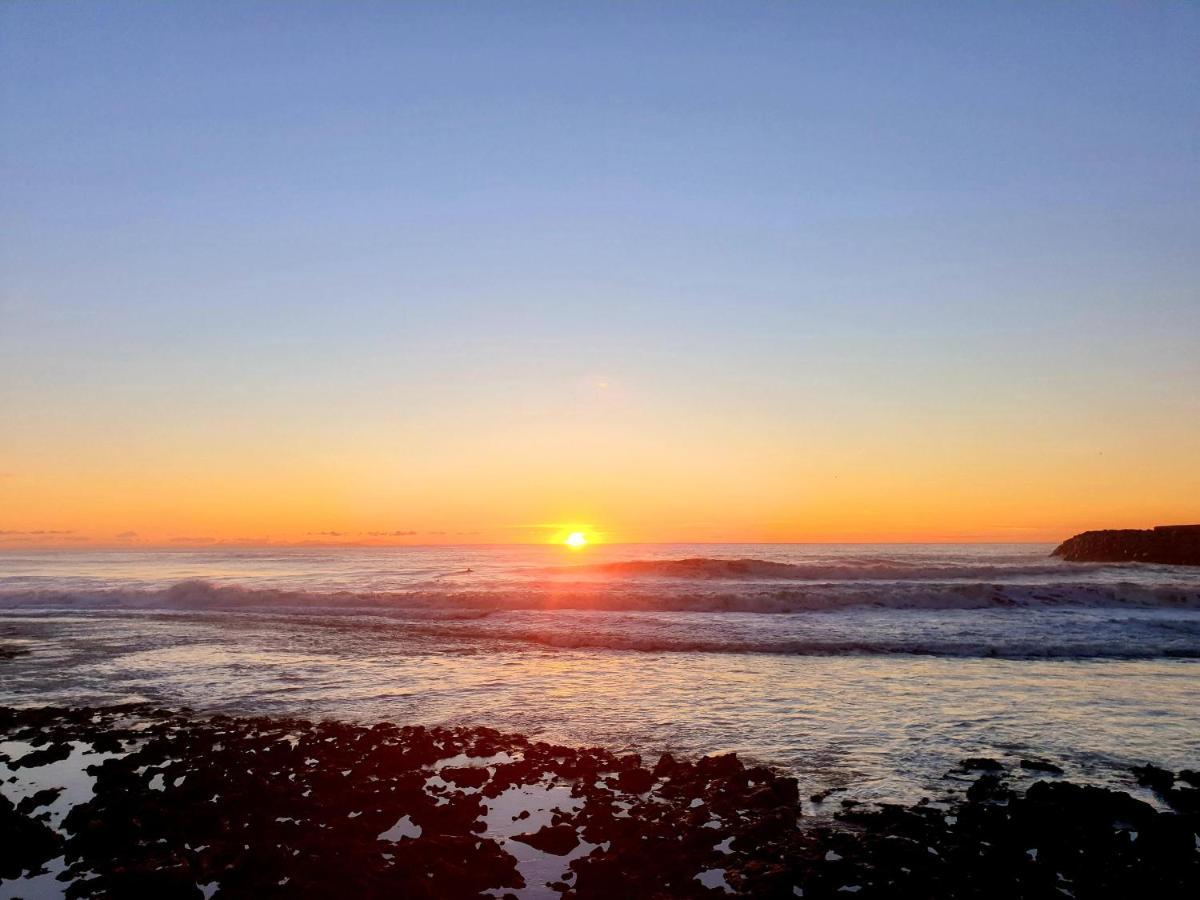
(576, 539)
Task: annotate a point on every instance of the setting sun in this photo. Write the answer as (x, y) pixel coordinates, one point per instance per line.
(737, 380)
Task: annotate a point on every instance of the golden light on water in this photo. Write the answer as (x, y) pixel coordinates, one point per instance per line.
(576, 539)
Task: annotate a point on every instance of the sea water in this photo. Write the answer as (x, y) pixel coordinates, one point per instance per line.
(876, 667)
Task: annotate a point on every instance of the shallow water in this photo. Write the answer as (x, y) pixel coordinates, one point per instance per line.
(1092, 666)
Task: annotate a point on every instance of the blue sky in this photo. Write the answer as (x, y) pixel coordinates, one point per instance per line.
(771, 214)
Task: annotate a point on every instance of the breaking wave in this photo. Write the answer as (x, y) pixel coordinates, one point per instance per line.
(745, 597)
(861, 569)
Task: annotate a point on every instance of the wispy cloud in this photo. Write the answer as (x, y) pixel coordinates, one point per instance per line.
(37, 533)
(36, 536)
(395, 533)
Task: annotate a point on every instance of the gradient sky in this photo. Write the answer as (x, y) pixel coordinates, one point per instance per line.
(668, 271)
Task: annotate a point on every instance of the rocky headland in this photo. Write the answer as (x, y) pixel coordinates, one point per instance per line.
(1174, 545)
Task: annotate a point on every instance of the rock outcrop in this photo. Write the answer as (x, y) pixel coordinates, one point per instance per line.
(1175, 545)
(190, 807)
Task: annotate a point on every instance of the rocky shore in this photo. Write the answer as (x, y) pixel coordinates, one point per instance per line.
(134, 801)
(1175, 545)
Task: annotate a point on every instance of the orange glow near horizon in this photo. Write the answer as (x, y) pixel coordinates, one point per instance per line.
(414, 303)
(648, 478)
(576, 540)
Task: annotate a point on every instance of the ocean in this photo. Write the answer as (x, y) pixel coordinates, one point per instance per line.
(873, 668)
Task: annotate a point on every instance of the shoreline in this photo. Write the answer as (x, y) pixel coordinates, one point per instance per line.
(203, 806)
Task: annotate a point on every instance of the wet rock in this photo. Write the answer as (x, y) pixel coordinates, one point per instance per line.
(1066, 800)
(981, 763)
(987, 787)
(629, 761)
(107, 743)
(556, 839)
(666, 766)
(25, 842)
(56, 752)
(822, 796)
(467, 776)
(635, 781)
(1184, 800)
(1039, 765)
(720, 766)
(175, 883)
(230, 801)
(37, 800)
(779, 792)
(1153, 777)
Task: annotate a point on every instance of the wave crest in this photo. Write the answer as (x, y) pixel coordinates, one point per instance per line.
(197, 594)
(720, 568)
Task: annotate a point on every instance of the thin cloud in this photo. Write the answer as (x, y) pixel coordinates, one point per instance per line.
(37, 533)
(339, 534)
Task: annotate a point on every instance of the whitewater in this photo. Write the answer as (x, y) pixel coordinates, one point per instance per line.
(873, 667)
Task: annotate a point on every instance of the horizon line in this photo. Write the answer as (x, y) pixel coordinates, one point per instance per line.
(303, 545)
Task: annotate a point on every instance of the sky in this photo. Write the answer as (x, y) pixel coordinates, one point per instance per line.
(696, 271)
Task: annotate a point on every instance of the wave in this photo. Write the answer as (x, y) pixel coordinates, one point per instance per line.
(197, 594)
(962, 649)
(717, 568)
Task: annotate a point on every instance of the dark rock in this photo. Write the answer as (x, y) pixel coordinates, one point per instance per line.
(1153, 777)
(666, 766)
(1184, 800)
(556, 839)
(26, 842)
(466, 776)
(1039, 765)
(981, 763)
(987, 787)
(241, 808)
(1097, 804)
(822, 796)
(54, 753)
(719, 766)
(107, 743)
(635, 781)
(1177, 545)
(777, 792)
(38, 800)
